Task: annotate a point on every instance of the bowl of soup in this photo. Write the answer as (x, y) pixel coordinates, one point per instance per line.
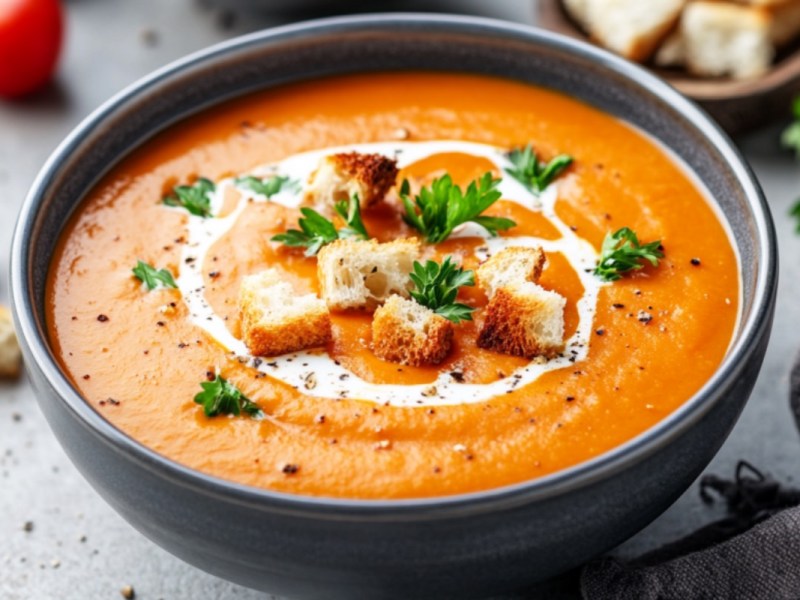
(394, 306)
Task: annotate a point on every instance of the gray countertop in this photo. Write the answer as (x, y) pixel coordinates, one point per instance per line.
(58, 538)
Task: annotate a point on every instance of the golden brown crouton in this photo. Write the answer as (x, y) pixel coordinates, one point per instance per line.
(341, 176)
(363, 274)
(10, 356)
(406, 332)
(524, 320)
(510, 266)
(277, 320)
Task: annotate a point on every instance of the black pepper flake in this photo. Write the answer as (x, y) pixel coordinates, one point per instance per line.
(695, 261)
(189, 260)
(210, 375)
(28, 526)
(257, 362)
(214, 274)
(600, 331)
(74, 318)
(290, 469)
(102, 318)
(160, 323)
(457, 376)
(644, 317)
(570, 398)
(437, 469)
(87, 376)
(273, 364)
(320, 419)
(182, 345)
(344, 376)
(618, 305)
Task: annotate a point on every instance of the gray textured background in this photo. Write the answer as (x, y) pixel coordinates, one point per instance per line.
(78, 547)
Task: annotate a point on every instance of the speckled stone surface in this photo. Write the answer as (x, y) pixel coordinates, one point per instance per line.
(58, 539)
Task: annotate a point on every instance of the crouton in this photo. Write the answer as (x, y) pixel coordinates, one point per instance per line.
(10, 355)
(277, 320)
(672, 52)
(341, 176)
(726, 39)
(524, 320)
(631, 28)
(363, 274)
(510, 266)
(406, 332)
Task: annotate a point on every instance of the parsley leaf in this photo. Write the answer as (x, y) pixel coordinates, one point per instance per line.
(221, 397)
(350, 212)
(316, 231)
(195, 198)
(533, 173)
(790, 138)
(267, 187)
(436, 286)
(795, 212)
(622, 252)
(443, 207)
(152, 277)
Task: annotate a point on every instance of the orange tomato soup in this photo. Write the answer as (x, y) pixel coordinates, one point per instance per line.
(137, 358)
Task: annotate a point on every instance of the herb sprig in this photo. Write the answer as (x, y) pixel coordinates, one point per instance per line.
(791, 135)
(152, 277)
(436, 286)
(622, 252)
(795, 212)
(221, 397)
(268, 186)
(316, 231)
(195, 198)
(534, 174)
(442, 207)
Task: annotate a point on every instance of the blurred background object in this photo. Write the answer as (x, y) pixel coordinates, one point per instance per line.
(30, 42)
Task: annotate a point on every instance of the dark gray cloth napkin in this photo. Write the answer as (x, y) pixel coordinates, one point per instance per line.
(754, 553)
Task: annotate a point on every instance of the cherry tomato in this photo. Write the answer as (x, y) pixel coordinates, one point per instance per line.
(30, 41)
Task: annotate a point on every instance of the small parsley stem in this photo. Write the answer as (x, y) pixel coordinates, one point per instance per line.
(436, 286)
(621, 253)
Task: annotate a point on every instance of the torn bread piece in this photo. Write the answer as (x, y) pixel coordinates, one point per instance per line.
(524, 320)
(10, 355)
(631, 28)
(510, 266)
(727, 39)
(672, 52)
(277, 320)
(406, 332)
(363, 274)
(342, 176)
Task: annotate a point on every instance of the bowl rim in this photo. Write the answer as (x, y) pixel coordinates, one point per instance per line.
(621, 457)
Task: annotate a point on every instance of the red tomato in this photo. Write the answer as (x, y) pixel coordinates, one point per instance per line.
(30, 40)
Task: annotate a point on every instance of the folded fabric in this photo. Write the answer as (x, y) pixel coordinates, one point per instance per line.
(752, 554)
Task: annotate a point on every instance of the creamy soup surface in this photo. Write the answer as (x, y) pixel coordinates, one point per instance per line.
(338, 421)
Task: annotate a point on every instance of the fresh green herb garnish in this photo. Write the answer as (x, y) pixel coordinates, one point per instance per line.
(436, 286)
(267, 187)
(443, 207)
(221, 397)
(531, 172)
(622, 252)
(195, 198)
(350, 211)
(791, 135)
(152, 277)
(795, 212)
(316, 231)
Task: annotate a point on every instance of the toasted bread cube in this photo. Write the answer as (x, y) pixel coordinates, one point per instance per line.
(406, 332)
(276, 320)
(363, 274)
(672, 52)
(726, 39)
(342, 176)
(510, 266)
(524, 320)
(10, 355)
(631, 28)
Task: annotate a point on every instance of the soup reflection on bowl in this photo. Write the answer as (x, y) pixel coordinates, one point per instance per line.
(391, 306)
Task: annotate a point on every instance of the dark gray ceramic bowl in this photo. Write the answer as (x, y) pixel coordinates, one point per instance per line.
(465, 545)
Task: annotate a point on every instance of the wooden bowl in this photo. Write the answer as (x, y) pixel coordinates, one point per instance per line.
(738, 106)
